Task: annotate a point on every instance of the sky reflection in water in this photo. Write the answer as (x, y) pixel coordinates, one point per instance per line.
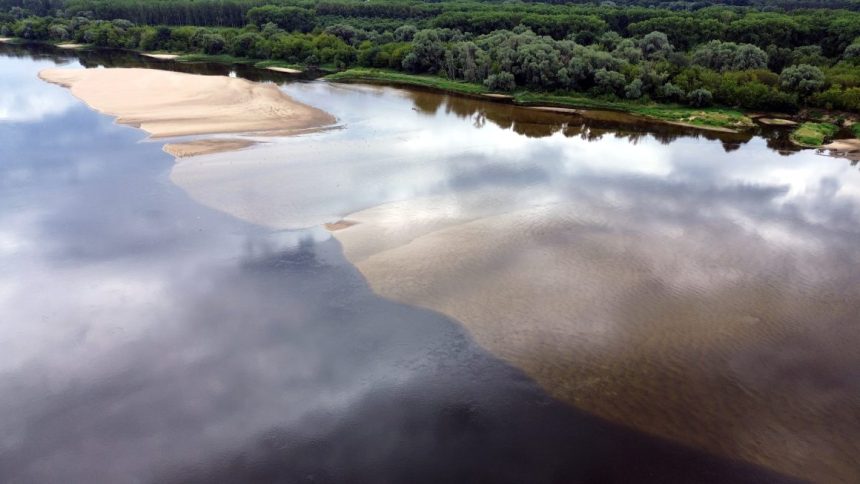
(147, 335)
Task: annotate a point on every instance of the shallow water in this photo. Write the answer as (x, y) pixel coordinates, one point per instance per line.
(149, 337)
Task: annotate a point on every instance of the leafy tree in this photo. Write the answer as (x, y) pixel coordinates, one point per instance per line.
(655, 45)
(405, 33)
(852, 53)
(729, 56)
(634, 89)
(428, 52)
(609, 82)
(803, 79)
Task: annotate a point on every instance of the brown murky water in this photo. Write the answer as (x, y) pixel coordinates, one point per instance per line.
(691, 298)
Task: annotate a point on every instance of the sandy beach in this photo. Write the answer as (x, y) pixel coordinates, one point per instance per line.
(165, 103)
(637, 328)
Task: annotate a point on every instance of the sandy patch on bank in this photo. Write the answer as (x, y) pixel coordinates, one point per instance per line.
(844, 148)
(165, 103)
(70, 46)
(161, 56)
(670, 335)
(206, 146)
(5, 39)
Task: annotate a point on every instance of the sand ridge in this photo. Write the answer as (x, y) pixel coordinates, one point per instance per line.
(165, 103)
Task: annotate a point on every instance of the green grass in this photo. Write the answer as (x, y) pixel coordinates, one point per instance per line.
(813, 134)
(704, 118)
(700, 117)
(855, 128)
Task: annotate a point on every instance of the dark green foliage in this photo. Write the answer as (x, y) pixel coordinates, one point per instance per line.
(681, 51)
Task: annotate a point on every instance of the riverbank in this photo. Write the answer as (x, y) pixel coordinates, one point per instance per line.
(714, 119)
(165, 103)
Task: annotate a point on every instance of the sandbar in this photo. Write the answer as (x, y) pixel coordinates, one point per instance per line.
(165, 103)
(70, 46)
(663, 334)
(161, 56)
(5, 39)
(206, 147)
(287, 70)
(777, 122)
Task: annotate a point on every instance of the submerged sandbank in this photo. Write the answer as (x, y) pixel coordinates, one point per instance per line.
(206, 147)
(670, 335)
(165, 103)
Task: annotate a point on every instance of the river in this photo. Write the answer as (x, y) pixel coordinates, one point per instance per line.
(512, 296)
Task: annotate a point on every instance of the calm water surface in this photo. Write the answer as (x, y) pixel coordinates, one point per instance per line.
(211, 332)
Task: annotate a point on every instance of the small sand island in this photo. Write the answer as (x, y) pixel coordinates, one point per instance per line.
(286, 70)
(165, 104)
(161, 56)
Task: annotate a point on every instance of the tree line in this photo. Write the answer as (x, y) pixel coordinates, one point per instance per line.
(681, 52)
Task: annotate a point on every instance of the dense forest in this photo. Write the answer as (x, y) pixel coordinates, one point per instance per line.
(780, 55)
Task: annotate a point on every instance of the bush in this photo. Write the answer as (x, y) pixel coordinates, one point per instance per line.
(503, 81)
(700, 98)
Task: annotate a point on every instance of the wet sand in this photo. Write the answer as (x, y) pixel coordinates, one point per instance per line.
(206, 147)
(658, 330)
(165, 103)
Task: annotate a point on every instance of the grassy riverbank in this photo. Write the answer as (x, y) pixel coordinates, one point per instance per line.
(813, 134)
(705, 118)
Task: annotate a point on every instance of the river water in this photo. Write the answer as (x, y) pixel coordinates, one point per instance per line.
(527, 296)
